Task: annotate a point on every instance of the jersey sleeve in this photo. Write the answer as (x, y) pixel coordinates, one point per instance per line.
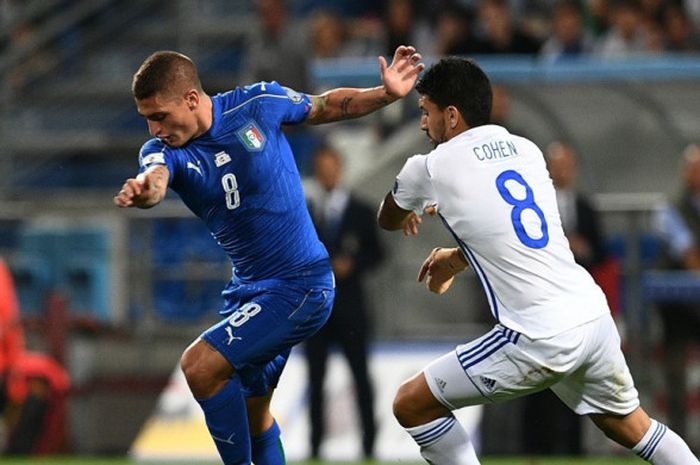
(155, 152)
(286, 105)
(412, 189)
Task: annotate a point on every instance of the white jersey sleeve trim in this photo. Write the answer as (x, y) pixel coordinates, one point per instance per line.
(413, 189)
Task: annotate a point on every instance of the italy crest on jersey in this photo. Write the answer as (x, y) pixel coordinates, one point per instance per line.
(252, 137)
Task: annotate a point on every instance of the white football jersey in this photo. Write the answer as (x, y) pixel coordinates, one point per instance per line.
(494, 193)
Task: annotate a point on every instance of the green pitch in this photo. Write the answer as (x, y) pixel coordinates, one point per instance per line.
(486, 461)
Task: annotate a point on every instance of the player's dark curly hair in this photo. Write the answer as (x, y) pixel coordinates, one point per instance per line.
(165, 72)
(461, 83)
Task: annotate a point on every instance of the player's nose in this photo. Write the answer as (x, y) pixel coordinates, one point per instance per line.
(154, 128)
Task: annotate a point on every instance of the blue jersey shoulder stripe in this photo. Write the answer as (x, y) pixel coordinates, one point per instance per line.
(255, 97)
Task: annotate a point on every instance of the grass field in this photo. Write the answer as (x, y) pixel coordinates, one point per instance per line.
(485, 461)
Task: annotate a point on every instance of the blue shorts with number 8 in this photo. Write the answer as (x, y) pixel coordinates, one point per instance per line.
(264, 321)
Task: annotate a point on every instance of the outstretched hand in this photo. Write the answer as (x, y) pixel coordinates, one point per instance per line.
(400, 77)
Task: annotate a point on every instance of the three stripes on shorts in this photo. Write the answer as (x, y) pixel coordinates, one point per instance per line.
(497, 338)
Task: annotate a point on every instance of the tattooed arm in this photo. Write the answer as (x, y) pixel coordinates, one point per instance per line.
(145, 190)
(347, 103)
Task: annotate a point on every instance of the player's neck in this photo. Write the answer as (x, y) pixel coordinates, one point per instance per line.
(205, 115)
(457, 130)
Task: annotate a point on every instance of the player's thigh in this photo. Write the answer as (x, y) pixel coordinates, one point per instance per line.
(602, 384)
(495, 367)
(269, 323)
(257, 337)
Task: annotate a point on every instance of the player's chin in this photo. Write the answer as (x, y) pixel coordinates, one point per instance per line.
(172, 141)
(177, 143)
(431, 139)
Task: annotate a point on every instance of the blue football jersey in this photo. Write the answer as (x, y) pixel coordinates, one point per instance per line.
(241, 179)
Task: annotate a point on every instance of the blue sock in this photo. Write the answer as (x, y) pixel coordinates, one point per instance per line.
(227, 420)
(267, 447)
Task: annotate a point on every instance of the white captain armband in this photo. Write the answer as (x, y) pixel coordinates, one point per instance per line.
(153, 158)
(293, 95)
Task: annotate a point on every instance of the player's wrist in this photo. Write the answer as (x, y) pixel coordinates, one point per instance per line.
(457, 260)
(389, 96)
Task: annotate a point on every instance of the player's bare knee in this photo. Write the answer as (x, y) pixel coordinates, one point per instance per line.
(405, 405)
(191, 368)
(204, 376)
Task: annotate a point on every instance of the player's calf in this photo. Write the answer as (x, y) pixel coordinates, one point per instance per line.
(442, 439)
(649, 439)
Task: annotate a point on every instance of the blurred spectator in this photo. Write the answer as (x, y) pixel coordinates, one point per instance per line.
(328, 35)
(347, 227)
(500, 106)
(597, 17)
(454, 34)
(344, 8)
(332, 37)
(678, 31)
(579, 220)
(499, 33)
(33, 386)
(278, 50)
(11, 333)
(692, 8)
(627, 35)
(678, 226)
(568, 37)
(652, 10)
(404, 26)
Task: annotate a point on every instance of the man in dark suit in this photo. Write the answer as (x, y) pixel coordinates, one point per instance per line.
(579, 219)
(347, 227)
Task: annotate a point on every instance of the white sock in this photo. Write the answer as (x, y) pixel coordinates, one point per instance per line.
(444, 442)
(661, 446)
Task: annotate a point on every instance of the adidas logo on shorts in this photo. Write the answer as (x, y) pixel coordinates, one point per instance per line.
(441, 384)
(488, 383)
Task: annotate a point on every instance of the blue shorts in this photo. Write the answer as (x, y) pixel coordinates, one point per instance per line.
(268, 319)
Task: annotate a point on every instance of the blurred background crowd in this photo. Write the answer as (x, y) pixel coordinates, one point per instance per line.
(608, 88)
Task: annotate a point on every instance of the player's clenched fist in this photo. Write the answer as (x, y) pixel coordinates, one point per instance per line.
(440, 268)
(145, 190)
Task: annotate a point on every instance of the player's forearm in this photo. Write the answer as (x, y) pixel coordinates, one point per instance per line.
(348, 103)
(145, 190)
(148, 200)
(390, 216)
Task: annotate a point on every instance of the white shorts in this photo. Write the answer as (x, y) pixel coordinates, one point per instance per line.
(584, 366)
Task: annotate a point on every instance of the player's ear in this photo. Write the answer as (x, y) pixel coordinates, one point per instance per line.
(453, 116)
(192, 99)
